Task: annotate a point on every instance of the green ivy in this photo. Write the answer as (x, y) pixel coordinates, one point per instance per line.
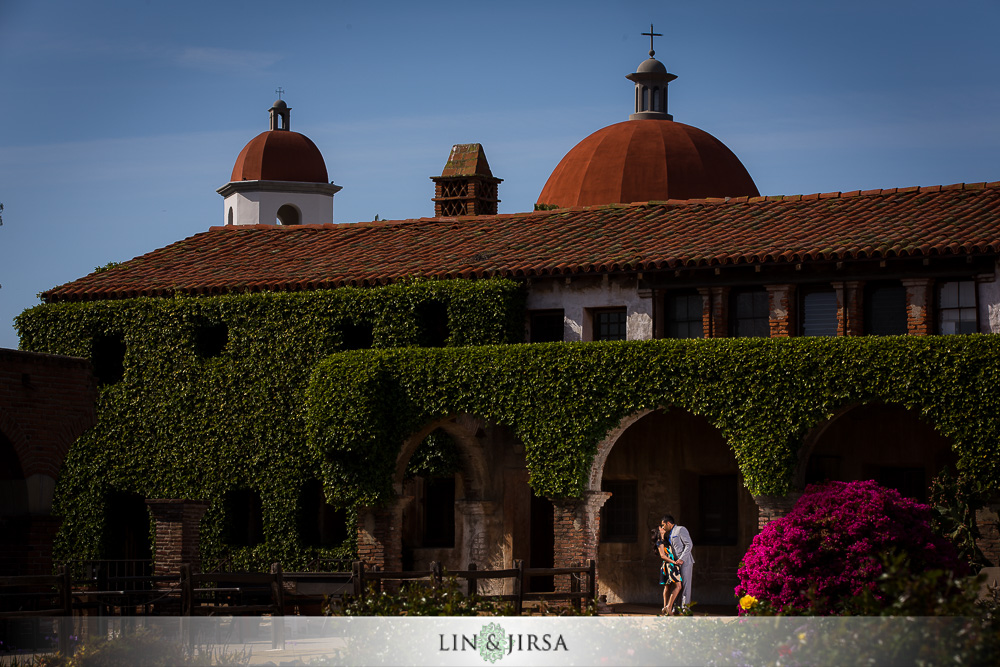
(561, 399)
(178, 425)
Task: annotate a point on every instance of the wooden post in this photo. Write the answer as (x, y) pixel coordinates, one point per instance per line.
(278, 619)
(574, 587)
(519, 587)
(473, 582)
(66, 602)
(591, 580)
(435, 573)
(358, 574)
(187, 595)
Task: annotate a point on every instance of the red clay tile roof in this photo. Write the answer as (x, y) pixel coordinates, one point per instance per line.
(940, 220)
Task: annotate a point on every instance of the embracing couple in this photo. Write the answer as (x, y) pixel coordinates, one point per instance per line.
(674, 547)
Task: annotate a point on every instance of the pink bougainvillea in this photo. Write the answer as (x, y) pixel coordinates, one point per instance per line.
(831, 545)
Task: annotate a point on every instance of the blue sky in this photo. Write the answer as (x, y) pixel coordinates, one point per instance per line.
(122, 118)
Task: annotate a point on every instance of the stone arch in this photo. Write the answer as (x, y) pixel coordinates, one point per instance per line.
(884, 441)
(667, 460)
(288, 214)
(475, 502)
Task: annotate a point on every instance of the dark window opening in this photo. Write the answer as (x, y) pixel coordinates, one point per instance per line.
(542, 543)
(818, 307)
(439, 512)
(683, 315)
(910, 482)
(885, 309)
(750, 314)
(127, 527)
(718, 509)
(211, 339)
(620, 514)
(320, 523)
(432, 318)
(108, 356)
(957, 307)
(610, 324)
(288, 215)
(546, 326)
(244, 518)
(356, 336)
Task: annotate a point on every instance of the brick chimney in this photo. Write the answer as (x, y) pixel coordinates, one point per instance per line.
(466, 186)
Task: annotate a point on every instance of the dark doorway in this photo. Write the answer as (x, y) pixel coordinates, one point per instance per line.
(542, 543)
(127, 527)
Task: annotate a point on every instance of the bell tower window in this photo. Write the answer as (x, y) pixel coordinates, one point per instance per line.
(288, 215)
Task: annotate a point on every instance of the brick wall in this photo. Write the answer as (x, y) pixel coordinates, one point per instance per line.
(781, 299)
(178, 534)
(770, 508)
(919, 318)
(46, 402)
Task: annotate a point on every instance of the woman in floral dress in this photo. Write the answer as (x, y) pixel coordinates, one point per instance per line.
(670, 572)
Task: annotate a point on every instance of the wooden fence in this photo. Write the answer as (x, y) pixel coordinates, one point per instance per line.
(275, 593)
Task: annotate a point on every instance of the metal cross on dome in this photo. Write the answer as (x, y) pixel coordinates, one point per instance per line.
(281, 90)
(651, 35)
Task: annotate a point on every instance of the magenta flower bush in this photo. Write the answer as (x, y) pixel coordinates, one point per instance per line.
(830, 547)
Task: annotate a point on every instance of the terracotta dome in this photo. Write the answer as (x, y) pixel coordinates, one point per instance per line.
(280, 155)
(646, 160)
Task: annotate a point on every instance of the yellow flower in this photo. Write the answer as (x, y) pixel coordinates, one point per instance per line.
(747, 601)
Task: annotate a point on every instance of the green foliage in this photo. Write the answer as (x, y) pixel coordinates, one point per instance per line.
(954, 499)
(180, 424)
(422, 599)
(561, 399)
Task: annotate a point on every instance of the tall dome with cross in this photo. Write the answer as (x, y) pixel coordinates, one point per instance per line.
(279, 178)
(649, 157)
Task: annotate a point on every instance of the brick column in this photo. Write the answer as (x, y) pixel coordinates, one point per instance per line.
(781, 300)
(178, 534)
(770, 508)
(715, 311)
(849, 303)
(380, 536)
(576, 526)
(919, 316)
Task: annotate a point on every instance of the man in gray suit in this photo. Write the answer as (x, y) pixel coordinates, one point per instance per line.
(680, 540)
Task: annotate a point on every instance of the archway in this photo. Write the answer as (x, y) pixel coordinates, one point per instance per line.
(884, 442)
(670, 461)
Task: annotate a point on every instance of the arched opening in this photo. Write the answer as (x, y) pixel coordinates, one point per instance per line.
(670, 462)
(229, 217)
(108, 357)
(127, 527)
(645, 98)
(433, 481)
(879, 441)
(288, 215)
(656, 99)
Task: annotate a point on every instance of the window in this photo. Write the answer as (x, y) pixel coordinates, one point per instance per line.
(356, 335)
(288, 215)
(620, 514)
(210, 339)
(545, 326)
(609, 324)
(749, 314)
(244, 518)
(717, 508)
(885, 309)
(818, 308)
(108, 356)
(432, 318)
(439, 511)
(682, 314)
(957, 307)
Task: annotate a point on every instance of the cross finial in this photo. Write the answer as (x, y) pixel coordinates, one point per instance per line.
(651, 35)
(281, 90)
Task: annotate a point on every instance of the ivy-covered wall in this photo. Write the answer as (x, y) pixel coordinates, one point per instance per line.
(562, 399)
(211, 395)
(280, 402)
